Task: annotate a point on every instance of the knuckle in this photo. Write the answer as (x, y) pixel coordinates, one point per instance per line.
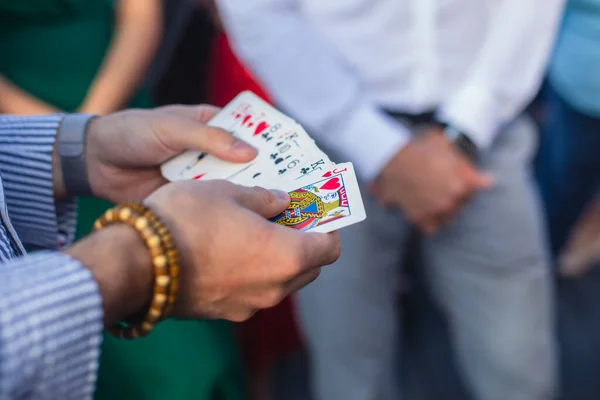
(265, 237)
(272, 298)
(458, 189)
(219, 136)
(266, 196)
(241, 316)
(313, 275)
(446, 205)
(225, 188)
(336, 249)
(295, 264)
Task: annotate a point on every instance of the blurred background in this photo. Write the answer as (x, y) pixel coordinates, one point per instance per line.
(100, 56)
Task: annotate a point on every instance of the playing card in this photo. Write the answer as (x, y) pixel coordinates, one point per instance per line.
(256, 122)
(251, 119)
(294, 155)
(325, 196)
(330, 202)
(315, 174)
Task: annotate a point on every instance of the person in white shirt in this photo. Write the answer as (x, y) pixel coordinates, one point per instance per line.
(426, 98)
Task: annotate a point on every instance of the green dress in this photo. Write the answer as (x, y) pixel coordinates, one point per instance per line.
(53, 49)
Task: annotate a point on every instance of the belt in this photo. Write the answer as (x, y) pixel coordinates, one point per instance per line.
(424, 118)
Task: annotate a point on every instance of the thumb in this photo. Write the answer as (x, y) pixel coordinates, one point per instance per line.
(264, 202)
(201, 113)
(181, 134)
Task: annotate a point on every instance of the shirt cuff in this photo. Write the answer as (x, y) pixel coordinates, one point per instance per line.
(26, 147)
(368, 138)
(50, 328)
(473, 110)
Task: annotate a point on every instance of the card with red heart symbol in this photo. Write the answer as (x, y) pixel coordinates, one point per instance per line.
(325, 196)
(323, 171)
(293, 152)
(282, 146)
(327, 203)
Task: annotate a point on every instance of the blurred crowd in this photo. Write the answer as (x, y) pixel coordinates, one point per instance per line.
(474, 126)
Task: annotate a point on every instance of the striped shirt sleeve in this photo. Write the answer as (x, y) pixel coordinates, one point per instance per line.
(50, 328)
(26, 146)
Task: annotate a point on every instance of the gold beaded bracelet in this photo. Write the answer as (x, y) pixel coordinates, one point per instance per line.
(170, 251)
(165, 260)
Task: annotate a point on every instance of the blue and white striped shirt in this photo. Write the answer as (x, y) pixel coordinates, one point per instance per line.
(50, 305)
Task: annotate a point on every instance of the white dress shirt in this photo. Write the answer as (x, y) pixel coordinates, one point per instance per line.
(335, 64)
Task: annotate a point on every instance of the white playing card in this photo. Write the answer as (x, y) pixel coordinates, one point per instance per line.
(294, 154)
(329, 202)
(196, 165)
(249, 118)
(325, 196)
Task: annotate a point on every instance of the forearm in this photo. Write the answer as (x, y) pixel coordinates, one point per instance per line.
(137, 36)
(14, 100)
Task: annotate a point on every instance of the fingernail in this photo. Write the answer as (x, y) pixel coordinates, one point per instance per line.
(239, 146)
(281, 195)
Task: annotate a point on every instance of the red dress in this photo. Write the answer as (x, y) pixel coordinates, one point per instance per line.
(273, 332)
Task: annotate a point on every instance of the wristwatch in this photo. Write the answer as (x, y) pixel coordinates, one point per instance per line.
(461, 141)
(71, 138)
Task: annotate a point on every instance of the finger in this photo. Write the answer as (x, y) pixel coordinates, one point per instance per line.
(480, 180)
(301, 281)
(429, 226)
(575, 261)
(201, 113)
(582, 250)
(485, 181)
(180, 134)
(267, 203)
(476, 179)
(316, 249)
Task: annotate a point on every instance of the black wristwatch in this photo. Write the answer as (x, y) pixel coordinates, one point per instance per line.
(460, 140)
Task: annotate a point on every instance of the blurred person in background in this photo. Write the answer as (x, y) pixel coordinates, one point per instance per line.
(91, 56)
(568, 171)
(568, 162)
(426, 99)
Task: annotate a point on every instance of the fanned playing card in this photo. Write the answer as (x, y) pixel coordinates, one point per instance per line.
(325, 196)
(247, 117)
(324, 203)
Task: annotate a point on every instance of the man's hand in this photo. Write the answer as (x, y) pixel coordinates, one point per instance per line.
(233, 260)
(125, 149)
(583, 248)
(429, 181)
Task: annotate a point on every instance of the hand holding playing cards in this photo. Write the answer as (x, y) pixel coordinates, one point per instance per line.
(234, 261)
(429, 181)
(125, 149)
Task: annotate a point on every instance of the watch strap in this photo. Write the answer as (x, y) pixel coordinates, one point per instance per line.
(461, 141)
(72, 134)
